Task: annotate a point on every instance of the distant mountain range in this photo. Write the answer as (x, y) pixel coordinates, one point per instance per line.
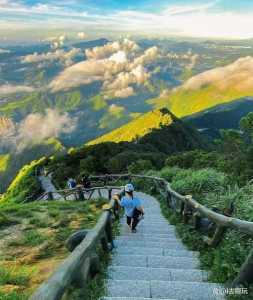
(224, 116)
(205, 83)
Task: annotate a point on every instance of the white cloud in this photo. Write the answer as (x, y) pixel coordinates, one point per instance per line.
(84, 73)
(4, 51)
(110, 48)
(238, 75)
(119, 57)
(65, 57)
(202, 20)
(118, 65)
(7, 89)
(7, 127)
(35, 128)
(82, 35)
(124, 93)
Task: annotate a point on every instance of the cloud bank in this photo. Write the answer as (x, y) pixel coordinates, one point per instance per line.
(238, 75)
(66, 57)
(8, 89)
(120, 66)
(35, 128)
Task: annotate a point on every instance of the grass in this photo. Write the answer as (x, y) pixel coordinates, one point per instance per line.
(14, 276)
(34, 247)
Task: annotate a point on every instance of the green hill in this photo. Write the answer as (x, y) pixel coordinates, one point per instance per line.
(137, 128)
(210, 88)
(146, 141)
(4, 159)
(11, 163)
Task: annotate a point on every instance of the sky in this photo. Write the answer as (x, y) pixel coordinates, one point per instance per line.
(35, 19)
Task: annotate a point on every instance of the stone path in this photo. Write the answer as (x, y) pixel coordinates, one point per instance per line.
(154, 264)
(47, 186)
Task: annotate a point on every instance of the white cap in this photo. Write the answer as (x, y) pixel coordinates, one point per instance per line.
(129, 187)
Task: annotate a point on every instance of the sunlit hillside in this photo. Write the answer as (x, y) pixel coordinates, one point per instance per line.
(210, 88)
(4, 162)
(137, 128)
(187, 102)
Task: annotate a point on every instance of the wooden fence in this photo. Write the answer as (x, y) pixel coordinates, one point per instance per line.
(83, 262)
(77, 267)
(191, 209)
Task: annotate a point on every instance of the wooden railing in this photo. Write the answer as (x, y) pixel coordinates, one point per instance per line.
(192, 209)
(76, 268)
(83, 261)
(78, 193)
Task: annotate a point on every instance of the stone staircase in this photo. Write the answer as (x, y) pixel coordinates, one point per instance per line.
(154, 264)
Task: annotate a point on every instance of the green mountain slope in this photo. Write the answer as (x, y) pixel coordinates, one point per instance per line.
(137, 128)
(210, 88)
(187, 102)
(4, 159)
(147, 140)
(11, 163)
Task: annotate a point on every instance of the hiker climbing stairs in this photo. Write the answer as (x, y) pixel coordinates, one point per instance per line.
(154, 264)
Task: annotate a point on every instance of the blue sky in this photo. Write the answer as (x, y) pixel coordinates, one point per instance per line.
(206, 18)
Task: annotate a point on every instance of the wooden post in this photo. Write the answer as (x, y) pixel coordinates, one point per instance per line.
(80, 194)
(108, 231)
(245, 275)
(109, 194)
(50, 196)
(217, 237)
(196, 220)
(186, 213)
(104, 243)
(168, 199)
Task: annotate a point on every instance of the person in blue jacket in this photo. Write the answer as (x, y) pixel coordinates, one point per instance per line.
(132, 206)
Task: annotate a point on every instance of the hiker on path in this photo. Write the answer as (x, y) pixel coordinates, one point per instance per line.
(85, 181)
(132, 206)
(71, 183)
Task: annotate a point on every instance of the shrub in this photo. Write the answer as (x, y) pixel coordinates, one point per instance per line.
(198, 183)
(139, 166)
(169, 173)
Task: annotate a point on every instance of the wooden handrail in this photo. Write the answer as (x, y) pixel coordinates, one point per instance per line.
(219, 219)
(71, 271)
(187, 205)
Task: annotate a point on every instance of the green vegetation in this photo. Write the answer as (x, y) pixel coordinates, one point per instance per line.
(184, 102)
(32, 241)
(24, 185)
(15, 161)
(137, 128)
(68, 101)
(98, 102)
(114, 117)
(4, 159)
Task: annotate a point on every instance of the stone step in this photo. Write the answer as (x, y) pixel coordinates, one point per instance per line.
(147, 235)
(152, 222)
(182, 290)
(153, 239)
(150, 230)
(155, 261)
(131, 298)
(163, 289)
(172, 262)
(150, 244)
(155, 251)
(128, 288)
(142, 273)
